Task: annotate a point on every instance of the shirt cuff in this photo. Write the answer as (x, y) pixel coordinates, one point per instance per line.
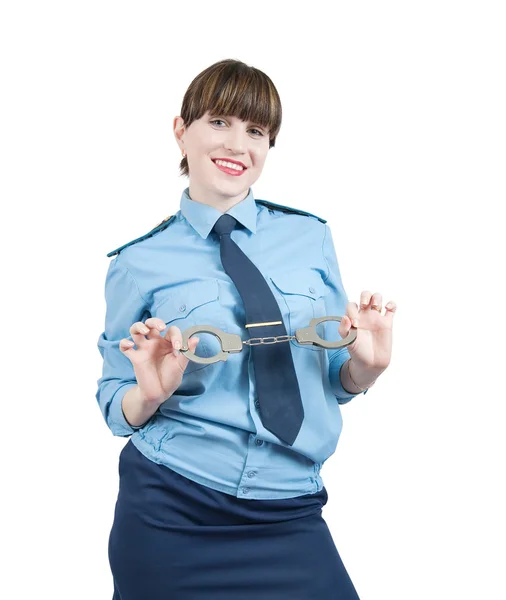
(335, 365)
(117, 421)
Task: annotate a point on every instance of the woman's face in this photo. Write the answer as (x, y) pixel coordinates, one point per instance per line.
(228, 138)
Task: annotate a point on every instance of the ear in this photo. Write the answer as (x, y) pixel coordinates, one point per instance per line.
(179, 129)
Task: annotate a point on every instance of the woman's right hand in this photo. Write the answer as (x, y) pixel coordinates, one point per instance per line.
(158, 365)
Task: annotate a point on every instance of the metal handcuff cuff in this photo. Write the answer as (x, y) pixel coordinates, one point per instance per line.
(232, 343)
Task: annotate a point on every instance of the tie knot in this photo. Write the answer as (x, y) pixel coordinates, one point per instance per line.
(225, 224)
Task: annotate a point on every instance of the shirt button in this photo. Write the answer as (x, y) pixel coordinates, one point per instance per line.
(251, 474)
(257, 403)
(259, 442)
(311, 289)
(245, 490)
(182, 308)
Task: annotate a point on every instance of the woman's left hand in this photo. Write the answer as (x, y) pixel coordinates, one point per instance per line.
(372, 348)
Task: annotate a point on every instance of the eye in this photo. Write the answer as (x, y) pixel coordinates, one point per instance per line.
(258, 132)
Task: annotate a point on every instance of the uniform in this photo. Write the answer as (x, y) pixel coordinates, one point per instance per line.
(211, 504)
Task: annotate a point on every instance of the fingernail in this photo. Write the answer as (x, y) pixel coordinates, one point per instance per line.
(177, 345)
(129, 344)
(355, 323)
(160, 327)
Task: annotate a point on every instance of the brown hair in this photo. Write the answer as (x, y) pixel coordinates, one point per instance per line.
(232, 88)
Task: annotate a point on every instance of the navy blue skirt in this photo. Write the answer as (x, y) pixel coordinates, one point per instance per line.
(173, 538)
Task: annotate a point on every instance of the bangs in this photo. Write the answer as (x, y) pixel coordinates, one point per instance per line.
(231, 88)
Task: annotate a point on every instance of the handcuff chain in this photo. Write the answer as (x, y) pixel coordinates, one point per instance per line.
(276, 340)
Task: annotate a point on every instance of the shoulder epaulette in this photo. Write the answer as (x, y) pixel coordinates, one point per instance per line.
(160, 227)
(288, 209)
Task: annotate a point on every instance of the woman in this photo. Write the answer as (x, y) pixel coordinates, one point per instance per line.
(220, 488)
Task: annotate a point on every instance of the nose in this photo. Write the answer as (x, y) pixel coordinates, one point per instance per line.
(236, 140)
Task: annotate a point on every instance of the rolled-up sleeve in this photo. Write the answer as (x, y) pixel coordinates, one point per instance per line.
(335, 304)
(124, 306)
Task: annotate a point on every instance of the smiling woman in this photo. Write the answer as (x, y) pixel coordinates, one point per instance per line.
(232, 88)
(230, 116)
(220, 488)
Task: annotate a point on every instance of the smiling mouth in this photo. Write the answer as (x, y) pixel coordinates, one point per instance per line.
(229, 167)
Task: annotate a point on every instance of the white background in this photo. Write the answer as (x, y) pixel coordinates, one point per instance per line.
(394, 131)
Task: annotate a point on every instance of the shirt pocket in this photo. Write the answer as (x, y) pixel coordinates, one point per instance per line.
(188, 304)
(301, 297)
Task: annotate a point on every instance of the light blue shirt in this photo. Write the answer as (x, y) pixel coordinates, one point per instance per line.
(210, 430)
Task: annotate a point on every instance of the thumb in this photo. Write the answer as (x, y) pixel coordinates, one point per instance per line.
(344, 326)
(192, 344)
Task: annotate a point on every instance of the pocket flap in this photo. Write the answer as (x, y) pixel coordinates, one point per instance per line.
(303, 282)
(182, 299)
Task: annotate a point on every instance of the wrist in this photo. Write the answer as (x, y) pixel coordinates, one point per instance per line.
(137, 408)
(148, 403)
(357, 378)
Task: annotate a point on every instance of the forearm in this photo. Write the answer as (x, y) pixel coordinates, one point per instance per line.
(353, 377)
(136, 410)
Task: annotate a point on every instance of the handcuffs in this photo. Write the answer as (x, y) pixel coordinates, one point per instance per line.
(232, 343)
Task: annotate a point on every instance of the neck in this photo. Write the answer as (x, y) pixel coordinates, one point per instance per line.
(211, 198)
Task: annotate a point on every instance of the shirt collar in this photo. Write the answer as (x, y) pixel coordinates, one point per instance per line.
(203, 217)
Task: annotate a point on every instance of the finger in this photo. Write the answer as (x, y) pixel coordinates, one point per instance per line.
(181, 359)
(344, 326)
(365, 299)
(352, 313)
(156, 326)
(171, 331)
(127, 347)
(175, 337)
(390, 309)
(376, 301)
(193, 343)
(138, 331)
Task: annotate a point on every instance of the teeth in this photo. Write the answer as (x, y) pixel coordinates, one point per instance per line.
(230, 165)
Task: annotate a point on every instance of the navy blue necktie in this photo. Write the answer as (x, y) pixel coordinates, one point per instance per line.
(280, 404)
